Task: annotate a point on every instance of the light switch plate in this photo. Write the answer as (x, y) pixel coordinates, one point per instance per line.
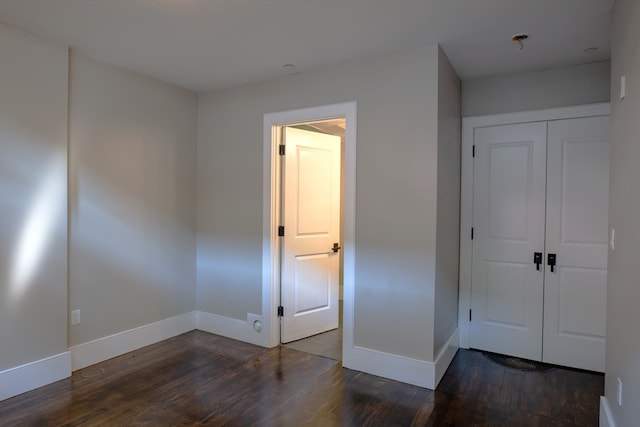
(75, 317)
(619, 392)
(612, 242)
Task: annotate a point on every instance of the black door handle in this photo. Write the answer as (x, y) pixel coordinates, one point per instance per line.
(551, 261)
(537, 259)
(335, 248)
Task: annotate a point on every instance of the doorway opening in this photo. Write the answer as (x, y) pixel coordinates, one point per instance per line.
(333, 121)
(311, 191)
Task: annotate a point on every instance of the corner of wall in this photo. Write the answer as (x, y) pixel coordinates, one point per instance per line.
(30, 376)
(232, 328)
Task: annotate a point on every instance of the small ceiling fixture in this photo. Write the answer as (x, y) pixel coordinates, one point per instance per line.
(590, 50)
(288, 67)
(519, 39)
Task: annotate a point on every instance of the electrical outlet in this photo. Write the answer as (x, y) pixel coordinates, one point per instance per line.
(75, 317)
(619, 392)
(255, 321)
(623, 86)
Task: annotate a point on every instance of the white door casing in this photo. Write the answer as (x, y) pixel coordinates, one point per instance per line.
(509, 192)
(310, 266)
(577, 232)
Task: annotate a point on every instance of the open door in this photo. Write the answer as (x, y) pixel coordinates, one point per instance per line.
(311, 211)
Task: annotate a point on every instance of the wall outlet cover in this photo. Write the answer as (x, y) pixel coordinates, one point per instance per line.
(255, 321)
(75, 317)
(619, 392)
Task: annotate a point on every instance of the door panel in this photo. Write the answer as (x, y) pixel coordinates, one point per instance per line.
(577, 231)
(579, 303)
(314, 191)
(310, 282)
(509, 208)
(504, 300)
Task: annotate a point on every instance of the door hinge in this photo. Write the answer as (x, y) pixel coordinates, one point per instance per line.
(280, 230)
(281, 149)
(280, 311)
(473, 151)
(471, 233)
(469, 315)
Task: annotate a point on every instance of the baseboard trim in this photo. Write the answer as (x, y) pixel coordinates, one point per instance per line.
(392, 366)
(231, 328)
(401, 368)
(36, 374)
(18, 380)
(606, 419)
(446, 355)
(102, 349)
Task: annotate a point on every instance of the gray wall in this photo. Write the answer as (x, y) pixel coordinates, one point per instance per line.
(396, 194)
(132, 199)
(623, 316)
(33, 198)
(556, 87)
(448, 231)
(128, 146)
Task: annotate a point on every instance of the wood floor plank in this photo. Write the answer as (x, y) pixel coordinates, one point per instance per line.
(200, 379)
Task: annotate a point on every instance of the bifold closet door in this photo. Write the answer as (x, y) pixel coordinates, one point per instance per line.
(577, 234)
(508, 221)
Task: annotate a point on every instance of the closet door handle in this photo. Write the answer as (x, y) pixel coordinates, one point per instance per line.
(537, 259)
(551, 261)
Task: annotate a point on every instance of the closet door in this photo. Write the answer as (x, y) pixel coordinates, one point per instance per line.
(577, 233)
(508, 221)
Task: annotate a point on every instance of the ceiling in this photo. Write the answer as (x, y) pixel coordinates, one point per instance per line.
(212, 44)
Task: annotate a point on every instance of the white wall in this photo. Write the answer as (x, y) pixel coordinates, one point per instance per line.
(623, 316)
(33, 199)
(448, 231)
(132, 199)
(396, 193)
(556, 87)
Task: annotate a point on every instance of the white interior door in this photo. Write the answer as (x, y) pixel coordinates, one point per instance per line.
(577, 233)
(508, 221)
(310, 265)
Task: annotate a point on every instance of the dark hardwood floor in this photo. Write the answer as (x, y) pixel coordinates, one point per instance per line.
(203, 379)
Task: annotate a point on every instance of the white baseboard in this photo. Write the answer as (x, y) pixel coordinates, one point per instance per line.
(102, 349)
(400, 368)
(231, 328)
(36, 374)
(446, 355)
(606, 419)
(33, 375)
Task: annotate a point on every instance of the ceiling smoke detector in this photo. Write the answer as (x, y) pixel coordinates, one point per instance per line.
(519, 39)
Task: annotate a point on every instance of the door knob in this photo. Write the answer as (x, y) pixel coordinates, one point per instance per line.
(537, 259)
(551, 261)
(335, 248)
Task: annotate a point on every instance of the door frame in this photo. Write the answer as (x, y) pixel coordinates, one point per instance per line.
(271, 215)
(469, 124)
